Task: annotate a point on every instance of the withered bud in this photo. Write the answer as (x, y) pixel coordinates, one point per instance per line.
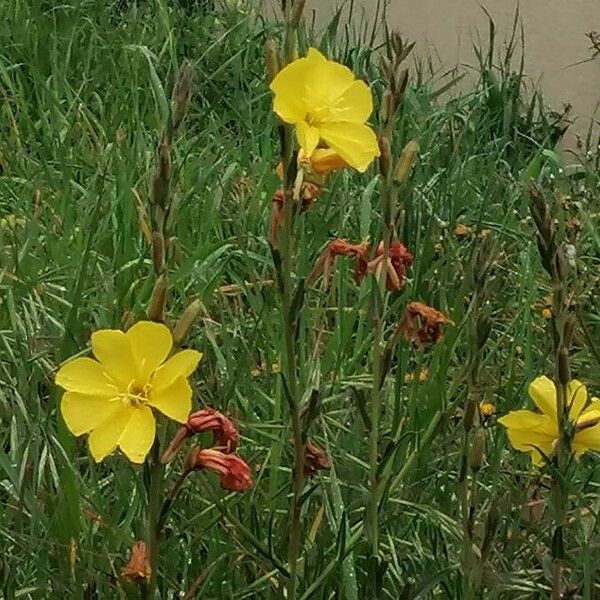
(182, 94)
(234, 472)
(407, 160)
(158, 252)
(315, 460)
(271, 59)
(225, 433)
(477, 449)
(186, 322)
(138, 569)
(161, 180)
(158, 300)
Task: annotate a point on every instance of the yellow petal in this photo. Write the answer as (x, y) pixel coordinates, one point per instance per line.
(138, 436)
(587, 439)
(326, 81)
(355, 143)
(174, 400)
(308, 137)
(104, 438)
(151, 344)
(82, 412)
(543, 392)
(527, 431)
(355, 104)
(112, 348)
(182, 364)
(576, 398)
(86, 376)
(288, 87)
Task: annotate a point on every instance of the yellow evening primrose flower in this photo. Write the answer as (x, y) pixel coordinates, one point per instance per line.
(529, 431)
(328, 107)
(112, 397)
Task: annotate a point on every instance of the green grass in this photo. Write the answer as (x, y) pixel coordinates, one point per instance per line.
(81, 102)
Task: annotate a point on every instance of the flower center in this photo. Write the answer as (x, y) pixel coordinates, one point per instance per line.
(136, 395)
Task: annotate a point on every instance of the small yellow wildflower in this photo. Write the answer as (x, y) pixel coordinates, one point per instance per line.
(487, 409)
(328, 107)
(110, 398)
(547, 313)
(533, 432)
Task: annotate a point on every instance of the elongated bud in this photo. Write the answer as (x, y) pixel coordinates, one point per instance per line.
(385, 158)
(271, 59)
(186, 322)
(158, 252)
(158, 301)
(161, 180)
(406, 161)
(477, 450)
(182, 94)
(388, 106)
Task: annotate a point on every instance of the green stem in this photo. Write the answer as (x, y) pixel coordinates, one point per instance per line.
(378, 306)
(154, 510)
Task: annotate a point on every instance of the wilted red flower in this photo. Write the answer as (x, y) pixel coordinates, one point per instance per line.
(336, 248)
(138, 568)
(234, 472)
(315, 460)
(399, 259)
(225, 435)
(422, 324)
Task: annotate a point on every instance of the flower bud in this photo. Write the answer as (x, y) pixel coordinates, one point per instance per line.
(158, 301)
(407, 160)
(385, 155)
(161, 180)
(387, 106)
(186, 322)
(477, 450)
(158, 252)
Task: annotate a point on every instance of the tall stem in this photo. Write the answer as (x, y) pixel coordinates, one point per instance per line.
(290, 313)
(378, 308)
(155, 487)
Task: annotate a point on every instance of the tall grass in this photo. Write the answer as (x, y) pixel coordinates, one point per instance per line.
(82, 88)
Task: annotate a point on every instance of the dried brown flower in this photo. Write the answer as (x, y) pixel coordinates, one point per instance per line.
(422, 324)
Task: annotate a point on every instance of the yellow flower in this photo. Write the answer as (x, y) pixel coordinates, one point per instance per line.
(328, 107)
(110, 398)
(487, 409)
(531, 432)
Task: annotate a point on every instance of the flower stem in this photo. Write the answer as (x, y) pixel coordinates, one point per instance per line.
(378, 295)
(155, 486)
(290, 313)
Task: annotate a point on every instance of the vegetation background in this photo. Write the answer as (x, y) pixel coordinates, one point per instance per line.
(82, 89)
